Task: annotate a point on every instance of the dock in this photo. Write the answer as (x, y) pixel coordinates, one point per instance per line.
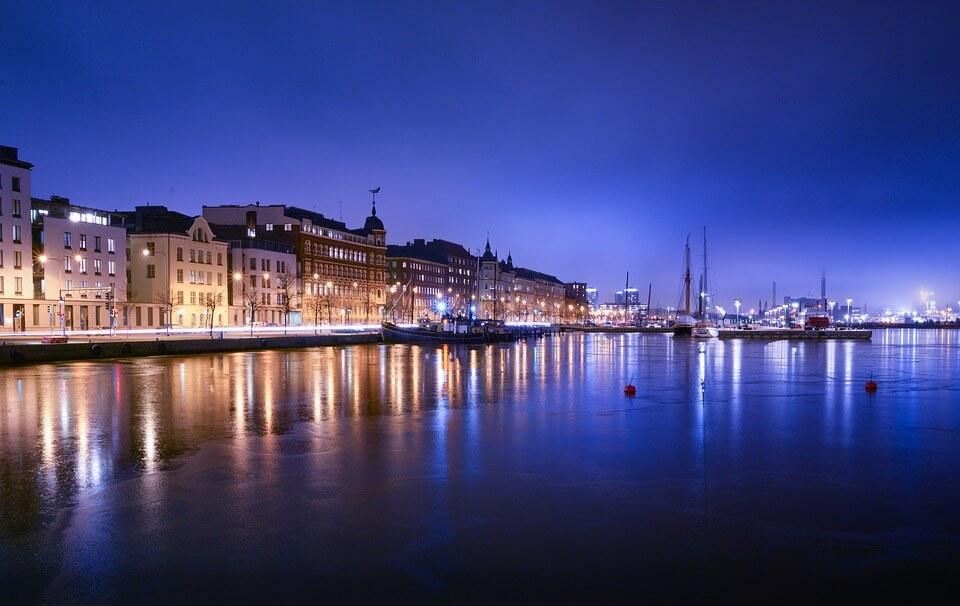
(779, 334)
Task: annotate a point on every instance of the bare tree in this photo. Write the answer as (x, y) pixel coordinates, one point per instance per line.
(287, 287)
(167, 302)
(210, 304)
(251, 303)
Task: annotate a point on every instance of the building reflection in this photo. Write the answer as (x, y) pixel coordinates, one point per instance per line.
(65, 430)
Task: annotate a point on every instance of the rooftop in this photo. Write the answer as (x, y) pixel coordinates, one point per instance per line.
(10, 157)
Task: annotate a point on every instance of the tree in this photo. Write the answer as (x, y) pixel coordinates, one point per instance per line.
(210, 305)
(166, 300)
(251, 303)
(287, 287)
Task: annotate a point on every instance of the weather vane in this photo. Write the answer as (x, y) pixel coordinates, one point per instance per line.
(374, 191)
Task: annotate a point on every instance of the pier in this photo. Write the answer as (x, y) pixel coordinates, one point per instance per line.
(778, 334)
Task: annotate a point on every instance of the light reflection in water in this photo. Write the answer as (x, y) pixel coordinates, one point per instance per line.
(67, 428)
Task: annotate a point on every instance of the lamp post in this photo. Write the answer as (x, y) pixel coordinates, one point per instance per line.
(737, 303)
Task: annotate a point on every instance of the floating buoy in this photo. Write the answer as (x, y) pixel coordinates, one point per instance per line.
(630, 389)
(871, 386)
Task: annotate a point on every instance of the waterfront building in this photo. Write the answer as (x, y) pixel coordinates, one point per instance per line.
(264, 286)
(619, 313)
(79, 266)
(627, 296)
(417, 282)
(16, 268)
(340, 268)
(576, 306)
(593, 297)
(517, 293)
(176, 270)
(456, 291)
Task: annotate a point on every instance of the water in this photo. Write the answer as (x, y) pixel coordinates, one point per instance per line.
(518, 471)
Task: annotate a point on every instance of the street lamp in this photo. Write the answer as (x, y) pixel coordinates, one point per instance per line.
(737, 303)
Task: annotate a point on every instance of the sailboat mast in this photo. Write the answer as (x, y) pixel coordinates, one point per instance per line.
(703, 287)
(686, 279)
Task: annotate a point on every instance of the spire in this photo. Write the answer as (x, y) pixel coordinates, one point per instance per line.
(373, 211)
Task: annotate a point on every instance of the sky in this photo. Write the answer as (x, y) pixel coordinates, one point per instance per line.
(587, 139)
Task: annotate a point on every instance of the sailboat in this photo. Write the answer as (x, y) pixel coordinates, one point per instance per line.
(704, 328)
(683, 324)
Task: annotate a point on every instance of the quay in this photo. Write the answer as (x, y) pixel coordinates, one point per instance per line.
(13, 352)
(778, 334)
(614, 329)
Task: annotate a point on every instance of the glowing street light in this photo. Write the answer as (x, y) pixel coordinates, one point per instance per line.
(737, 303)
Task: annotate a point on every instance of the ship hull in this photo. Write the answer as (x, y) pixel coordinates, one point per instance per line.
(397, 334)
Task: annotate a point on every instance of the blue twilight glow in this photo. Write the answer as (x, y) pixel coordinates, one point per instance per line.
(804, 136)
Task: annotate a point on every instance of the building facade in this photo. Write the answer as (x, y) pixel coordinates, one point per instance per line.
(432, 278)
(79, 265)
(176, 270)
(264, 287)
(516, 293)
(416, 282)
(16, 267)
(340, 269)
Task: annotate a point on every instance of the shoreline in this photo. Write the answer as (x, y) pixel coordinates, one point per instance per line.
(16, 354)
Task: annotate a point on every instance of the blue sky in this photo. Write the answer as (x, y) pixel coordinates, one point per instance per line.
(586, 138)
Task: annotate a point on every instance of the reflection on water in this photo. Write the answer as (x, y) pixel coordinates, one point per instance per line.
(553, 408)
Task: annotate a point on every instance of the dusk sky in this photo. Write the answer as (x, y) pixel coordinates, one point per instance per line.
(588, 138)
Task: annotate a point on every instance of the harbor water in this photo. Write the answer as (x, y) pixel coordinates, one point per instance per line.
(514, 471)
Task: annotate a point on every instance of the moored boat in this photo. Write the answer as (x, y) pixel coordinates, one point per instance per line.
(449, 330)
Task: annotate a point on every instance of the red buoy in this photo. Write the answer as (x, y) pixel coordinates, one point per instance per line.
(871, 386)
(630, 389)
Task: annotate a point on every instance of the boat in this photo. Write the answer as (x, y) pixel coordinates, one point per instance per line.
(683, 324)
(447, 330)
(705, 328)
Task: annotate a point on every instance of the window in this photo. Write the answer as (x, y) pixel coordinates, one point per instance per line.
(253, 264)
(152, 248)
(67, 264)
(16, 234)
(151, 271)
(16, 205)
(1, 284)
(112, 268)
(179, 297)
(219, 258)
(83, 242)
(83, 265)
(96, 266)
(193, 256)
(111, 246)
(193, 277)
(18, 286)
(209, 259)
(179, 253)
(179, 276)
(193, 298)
(15, 184)
(268, 227)
(219, 279)
(17, 259)
(287, 227)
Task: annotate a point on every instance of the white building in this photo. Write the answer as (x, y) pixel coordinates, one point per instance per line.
(79, 265)
(177, 270)
(16, 242)
(264, 286)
